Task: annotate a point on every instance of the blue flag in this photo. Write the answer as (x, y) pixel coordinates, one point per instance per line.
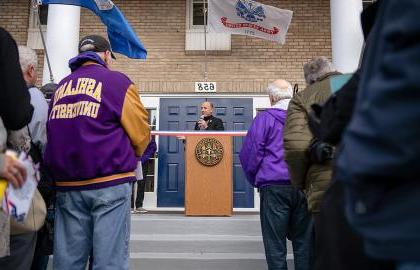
(121, 36)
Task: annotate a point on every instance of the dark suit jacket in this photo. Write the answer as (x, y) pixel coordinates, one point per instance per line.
(213, 123)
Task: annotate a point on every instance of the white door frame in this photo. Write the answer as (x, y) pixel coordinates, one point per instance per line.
(152, 101)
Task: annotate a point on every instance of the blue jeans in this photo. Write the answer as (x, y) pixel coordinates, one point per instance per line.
(408, 266)
(93, 220)
(284, 214)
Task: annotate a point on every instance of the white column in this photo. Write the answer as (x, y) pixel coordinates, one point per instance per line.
(346, 34)
(63, 28)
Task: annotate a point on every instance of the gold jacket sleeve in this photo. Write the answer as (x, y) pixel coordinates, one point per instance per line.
(134, 120)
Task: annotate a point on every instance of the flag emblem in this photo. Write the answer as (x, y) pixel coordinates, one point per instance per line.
(250, 11)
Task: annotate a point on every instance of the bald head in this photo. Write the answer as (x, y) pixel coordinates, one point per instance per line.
(282, 84)
(278, 90)
(207, 108)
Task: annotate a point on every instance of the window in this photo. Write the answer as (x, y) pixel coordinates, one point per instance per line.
(197, 15)
(194, 38)
(34, 37)
(149, 167)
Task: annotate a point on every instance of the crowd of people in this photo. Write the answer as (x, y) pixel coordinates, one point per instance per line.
(81, 208)
(336, 167)
(336, 163)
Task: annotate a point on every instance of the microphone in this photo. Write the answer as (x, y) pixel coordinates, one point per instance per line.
(198, 122)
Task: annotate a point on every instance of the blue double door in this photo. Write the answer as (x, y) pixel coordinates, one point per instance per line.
(182, 114)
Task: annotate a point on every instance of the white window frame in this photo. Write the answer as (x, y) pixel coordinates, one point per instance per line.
(194, 36)
(190, 7)
(150, 198)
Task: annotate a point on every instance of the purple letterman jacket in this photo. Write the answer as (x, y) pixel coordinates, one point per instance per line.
(96, 127)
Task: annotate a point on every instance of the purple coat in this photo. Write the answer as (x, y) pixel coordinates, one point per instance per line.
(262, 154)
(149, 152)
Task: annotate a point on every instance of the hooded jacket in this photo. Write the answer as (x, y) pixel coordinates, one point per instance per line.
(262, 154)
(96, 127)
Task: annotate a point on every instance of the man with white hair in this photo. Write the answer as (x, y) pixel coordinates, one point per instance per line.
(23, 243)
(311, 173)
(37, 127)
(283, 208)
(38, 132)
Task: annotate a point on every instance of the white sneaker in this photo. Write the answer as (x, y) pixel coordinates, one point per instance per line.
(140, 210)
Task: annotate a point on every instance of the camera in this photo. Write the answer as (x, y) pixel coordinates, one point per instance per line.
(320, 152)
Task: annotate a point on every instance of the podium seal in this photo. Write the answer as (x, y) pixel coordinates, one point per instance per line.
(209, 151)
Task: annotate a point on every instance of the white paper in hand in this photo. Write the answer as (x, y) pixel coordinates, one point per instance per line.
(17, 201)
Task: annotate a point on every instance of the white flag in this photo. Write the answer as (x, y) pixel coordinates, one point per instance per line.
(247, 17)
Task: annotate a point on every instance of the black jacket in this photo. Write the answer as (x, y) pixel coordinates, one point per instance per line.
(15, 107)
(213, 123)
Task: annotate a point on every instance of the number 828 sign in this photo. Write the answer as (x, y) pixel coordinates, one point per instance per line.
(205, 87)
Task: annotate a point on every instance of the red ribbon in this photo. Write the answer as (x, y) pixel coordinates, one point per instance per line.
(273, 31)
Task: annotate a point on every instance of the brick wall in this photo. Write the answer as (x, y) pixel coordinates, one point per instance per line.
(14, 17)
(161, 26)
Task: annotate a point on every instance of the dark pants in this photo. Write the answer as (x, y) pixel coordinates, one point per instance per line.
(318, 246)
(140, 194)
(22, 248)
(141, 184)
(284, 214)
(337, 246)
(40, 262)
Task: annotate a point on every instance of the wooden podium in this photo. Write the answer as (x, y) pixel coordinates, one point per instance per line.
(208, 186)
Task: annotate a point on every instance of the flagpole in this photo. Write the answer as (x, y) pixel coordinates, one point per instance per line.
(35, 6)
(205, 39)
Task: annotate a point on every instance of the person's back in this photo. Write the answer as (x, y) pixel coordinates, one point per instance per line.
(96, 128)
(378, 159)
(266, 167)
(283, 208)
(312, 177)
(85, 117)
(307, 175)
(15, 108)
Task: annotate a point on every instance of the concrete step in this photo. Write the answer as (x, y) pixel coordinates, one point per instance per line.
(176, 242)
(202, 243)
(195, 261)
(181, 225)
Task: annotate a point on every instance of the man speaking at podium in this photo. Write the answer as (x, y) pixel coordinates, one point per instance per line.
(207, 120)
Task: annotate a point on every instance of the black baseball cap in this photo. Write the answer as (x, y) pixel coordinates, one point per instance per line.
(99, 44)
